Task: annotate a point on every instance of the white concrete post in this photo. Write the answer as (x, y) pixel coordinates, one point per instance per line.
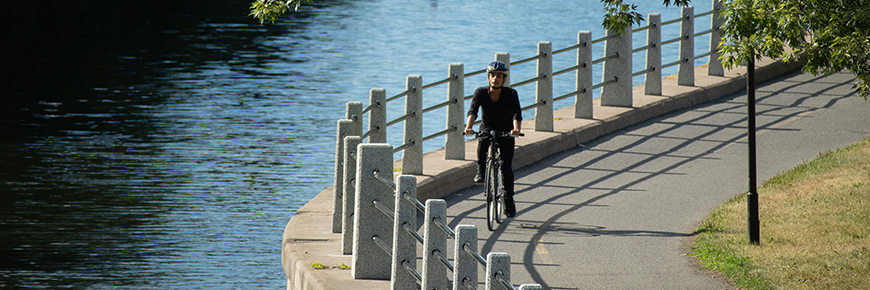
(354, 113)
(686, 73)
(369, 260)
(454, 146)
(714, 65)
(544, 88)
(497, 264)
(583, 102)
(344, 128)
(378, 116)
(404, 245)
(464, 265)
(349, 192)
(412, 156)
(617, 69)
(506, 59)
(653, 80)
(434, 272)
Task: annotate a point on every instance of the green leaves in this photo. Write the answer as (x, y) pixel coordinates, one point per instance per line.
(618, 16)
(272, 9)
(832, 35)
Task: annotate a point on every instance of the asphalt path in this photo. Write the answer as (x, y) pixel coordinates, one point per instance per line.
(620, 211)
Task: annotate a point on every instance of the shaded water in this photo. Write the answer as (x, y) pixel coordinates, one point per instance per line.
(176, 160)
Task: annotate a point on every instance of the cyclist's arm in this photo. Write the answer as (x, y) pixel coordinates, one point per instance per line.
(517, 128)
(469, 123)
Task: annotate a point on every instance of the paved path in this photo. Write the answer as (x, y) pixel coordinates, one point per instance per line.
(619, 212)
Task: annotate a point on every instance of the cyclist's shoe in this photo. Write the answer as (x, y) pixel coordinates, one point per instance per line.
(510, 209)
(479, 177)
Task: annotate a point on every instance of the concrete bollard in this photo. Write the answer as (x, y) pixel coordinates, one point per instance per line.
(714, 65)
(378, 116)
(505, 58)
(369, 260)
(434, 272)
(686, 73)
(544, 88)
(454, 146)
(617, 68)
(349, 196)
(653, 79)
(531, 287)
(497, 265)
(412, 155)
(404, 245)
(344, 128)
(464, 265)
(355, 114)
(583, 102)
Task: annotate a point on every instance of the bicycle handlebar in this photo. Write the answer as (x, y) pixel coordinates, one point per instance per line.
(496, 134)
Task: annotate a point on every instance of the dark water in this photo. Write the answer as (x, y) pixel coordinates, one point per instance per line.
(173, 155)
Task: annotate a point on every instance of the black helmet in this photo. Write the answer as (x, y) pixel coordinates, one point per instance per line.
(497, 66)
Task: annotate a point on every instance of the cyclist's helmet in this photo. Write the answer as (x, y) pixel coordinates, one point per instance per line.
(497, 66)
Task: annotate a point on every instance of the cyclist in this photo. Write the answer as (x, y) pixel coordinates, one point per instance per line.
(501, 112)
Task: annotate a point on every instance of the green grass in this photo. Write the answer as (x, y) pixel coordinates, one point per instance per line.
(815, 228)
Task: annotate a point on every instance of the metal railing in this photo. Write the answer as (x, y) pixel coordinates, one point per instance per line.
(351, 160)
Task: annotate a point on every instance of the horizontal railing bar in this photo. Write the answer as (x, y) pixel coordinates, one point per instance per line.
(440, 82)
(447, 230)
(525, 82)
(576, 46)
(467, 283)
(565, 96)
(504, 281)
(443, 259)
(643, 72)
(474, 254)
(672, 64)
(407, 266)
(381, 244)
(439, 134)
(420, 206)
(369, 108)
(705, 13)
(705, 32)
(413, 232)
(642, 48)
(370, 132)
(381, 207)
(529, 107)
(402, 118)
(438, 106)
(402, 94)
(672, 21)
(602, 39)
(706, 54)
(672, 40)
(613, 80)
(474, 73)
(573, 68)
(526, 60)
(600, 60)
(406, 145)
(642, 28)
(387, 182)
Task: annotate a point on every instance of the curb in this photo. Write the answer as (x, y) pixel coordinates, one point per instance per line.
(308, 235)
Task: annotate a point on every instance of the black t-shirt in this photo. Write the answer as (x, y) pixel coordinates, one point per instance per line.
(498, 115)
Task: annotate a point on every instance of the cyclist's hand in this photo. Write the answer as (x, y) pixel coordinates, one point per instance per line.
(469, 131)
(515, 133)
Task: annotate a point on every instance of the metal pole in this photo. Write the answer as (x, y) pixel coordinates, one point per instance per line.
(752, 196)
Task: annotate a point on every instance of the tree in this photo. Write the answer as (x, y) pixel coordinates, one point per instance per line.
(830, 35)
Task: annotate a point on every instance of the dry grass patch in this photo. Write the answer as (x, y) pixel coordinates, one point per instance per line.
(815, 228)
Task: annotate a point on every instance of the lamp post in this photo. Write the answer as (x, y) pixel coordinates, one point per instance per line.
(752, 196)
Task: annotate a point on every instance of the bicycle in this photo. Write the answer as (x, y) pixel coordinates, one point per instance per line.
(493, 185)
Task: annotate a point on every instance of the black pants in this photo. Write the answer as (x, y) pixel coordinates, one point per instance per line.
(506, 149)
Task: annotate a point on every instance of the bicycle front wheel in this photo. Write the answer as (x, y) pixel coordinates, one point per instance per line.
(491, 191)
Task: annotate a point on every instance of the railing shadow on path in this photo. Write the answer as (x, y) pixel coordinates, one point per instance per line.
(675, 154)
